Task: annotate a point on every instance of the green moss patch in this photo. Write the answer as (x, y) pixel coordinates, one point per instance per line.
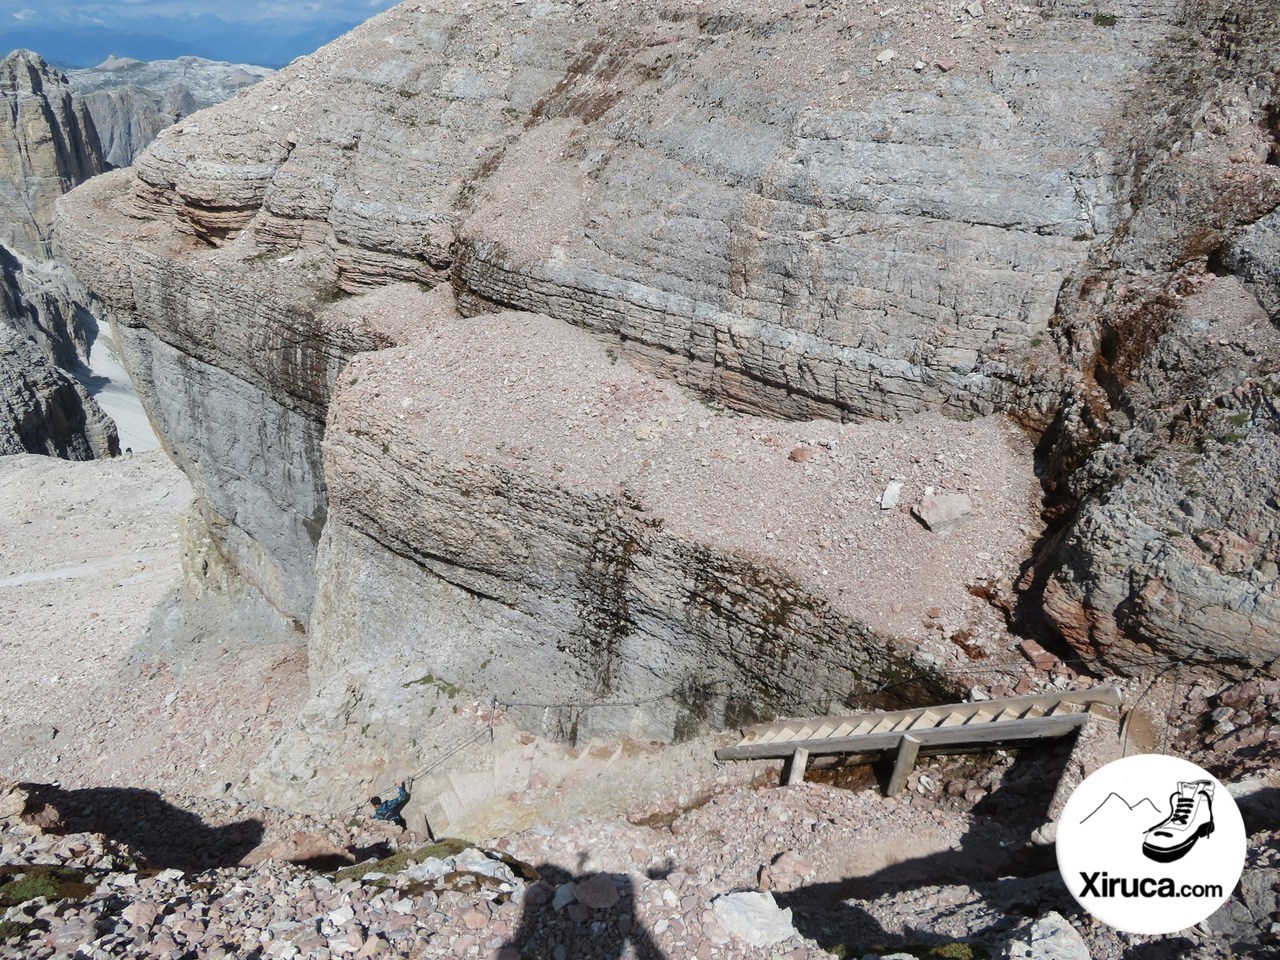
(52, 883)
(446, 847)
(431, 680)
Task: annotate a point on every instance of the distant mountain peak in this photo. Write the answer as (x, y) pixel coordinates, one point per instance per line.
(1113, 803)
(118, 63)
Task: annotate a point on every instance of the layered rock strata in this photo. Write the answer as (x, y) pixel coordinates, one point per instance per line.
(1167, 443)
(525, 518)
(837, 237)
(772, 205)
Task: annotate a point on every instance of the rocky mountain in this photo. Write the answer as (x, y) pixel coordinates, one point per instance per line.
(43, 329)
(705, 285)
(131, 100)
(48, 144)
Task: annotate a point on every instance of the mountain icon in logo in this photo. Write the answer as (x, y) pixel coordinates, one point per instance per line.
(1117, 811)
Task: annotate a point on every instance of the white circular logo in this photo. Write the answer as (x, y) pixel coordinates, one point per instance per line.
(1151, 844)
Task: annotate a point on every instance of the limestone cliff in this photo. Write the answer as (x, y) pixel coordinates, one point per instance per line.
(48, 144)
(896, 222)
(42, 410)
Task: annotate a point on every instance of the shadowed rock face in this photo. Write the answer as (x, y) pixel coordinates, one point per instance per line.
(743, 200)
(48, 144)
(43, 410)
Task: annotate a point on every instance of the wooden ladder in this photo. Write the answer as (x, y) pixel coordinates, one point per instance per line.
(938, 729)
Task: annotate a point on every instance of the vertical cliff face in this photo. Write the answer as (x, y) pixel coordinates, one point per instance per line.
(48, 144)
(1170, 437)
(42, 410)
(897, 223)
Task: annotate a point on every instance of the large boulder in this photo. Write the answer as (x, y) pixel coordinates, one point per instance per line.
(1048, 937)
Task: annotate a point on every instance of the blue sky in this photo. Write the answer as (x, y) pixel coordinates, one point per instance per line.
(238, 11)
(255, 31)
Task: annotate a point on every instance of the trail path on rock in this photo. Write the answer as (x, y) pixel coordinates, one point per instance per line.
(90, 694)
(89, 568)
(71, 599)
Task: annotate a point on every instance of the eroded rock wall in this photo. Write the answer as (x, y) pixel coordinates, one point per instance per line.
(1167, 444)
(754, 200)
(834, 236)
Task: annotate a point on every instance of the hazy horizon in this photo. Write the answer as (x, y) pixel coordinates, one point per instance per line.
(265, 32)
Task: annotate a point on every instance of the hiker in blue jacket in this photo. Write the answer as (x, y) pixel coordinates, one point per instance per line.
(389, 810)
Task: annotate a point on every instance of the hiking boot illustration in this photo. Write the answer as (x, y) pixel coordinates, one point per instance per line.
(1191, 818)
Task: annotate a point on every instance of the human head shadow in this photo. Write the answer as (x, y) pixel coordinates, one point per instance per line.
(1010, 882)
(603, 934)
(997, 841)
(994, 858)
(159, 834)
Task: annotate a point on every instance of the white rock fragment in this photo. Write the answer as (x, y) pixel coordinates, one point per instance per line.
(889, 499)
(755, 918)
(1044, 938)
(341, 916)
(884, 56)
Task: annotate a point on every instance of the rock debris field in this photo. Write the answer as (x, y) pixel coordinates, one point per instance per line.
(119, 836)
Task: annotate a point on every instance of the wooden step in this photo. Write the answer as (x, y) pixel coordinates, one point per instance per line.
(777, 734)
(981, 716)
(926, 720)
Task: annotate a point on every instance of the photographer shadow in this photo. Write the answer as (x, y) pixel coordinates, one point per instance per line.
(159, 834)
(575, 930)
